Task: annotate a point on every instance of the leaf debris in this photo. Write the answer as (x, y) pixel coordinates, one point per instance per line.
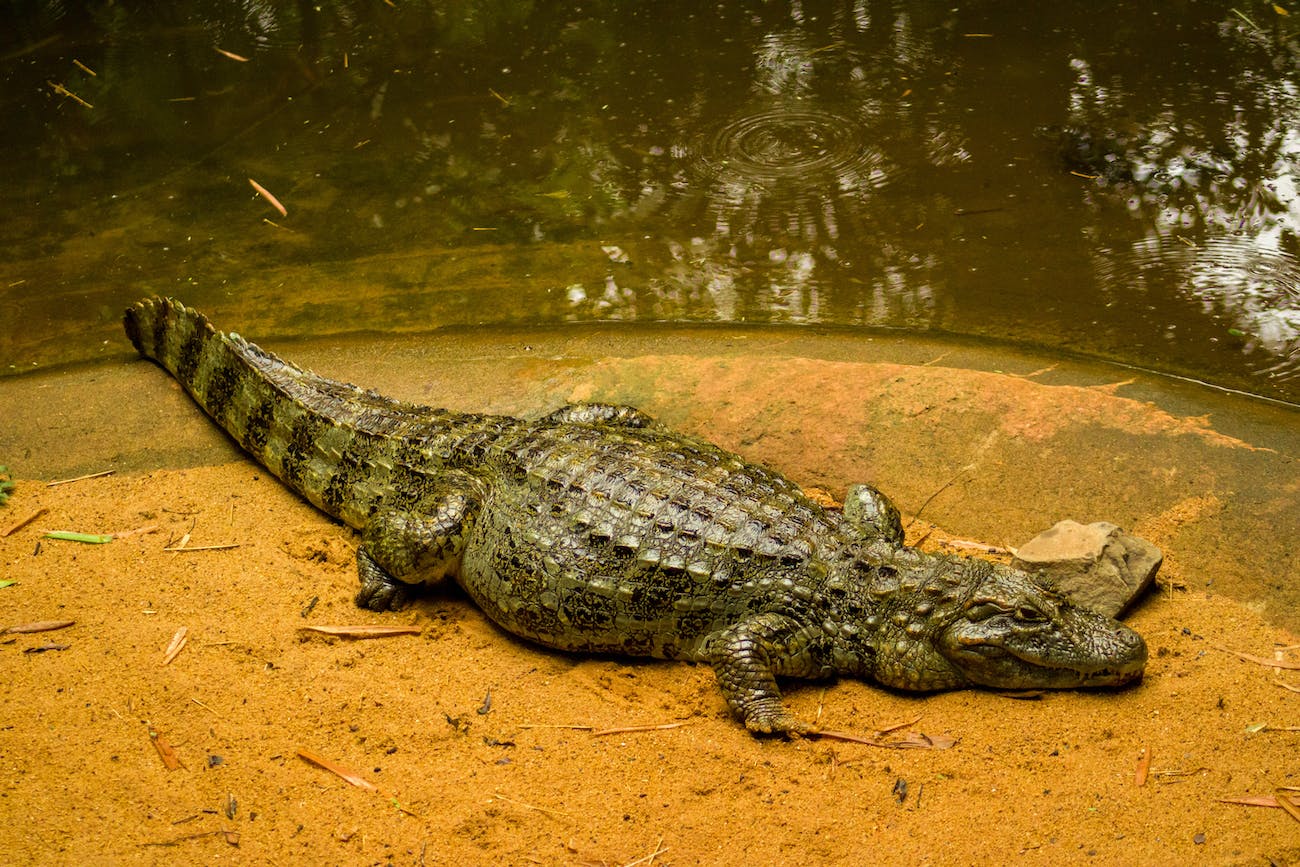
(84, 538)
(38, 626)
(347, 774)
(176, 646)
(266, 194)
(1143, 767)
(171, 761)
(352, 777)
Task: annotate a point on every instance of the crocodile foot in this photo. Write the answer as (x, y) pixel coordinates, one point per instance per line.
(782, 723)
(768, 716)
(385, 597)
(378, 591)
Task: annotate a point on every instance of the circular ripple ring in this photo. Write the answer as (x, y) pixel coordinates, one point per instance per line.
(790, 143)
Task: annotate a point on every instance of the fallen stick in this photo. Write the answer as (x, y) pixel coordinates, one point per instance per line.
(175, 549)
(500, 797)
(63, 91)
(913, 740)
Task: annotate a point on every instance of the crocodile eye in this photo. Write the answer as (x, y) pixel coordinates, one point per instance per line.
(985, 610)
(1030, 614)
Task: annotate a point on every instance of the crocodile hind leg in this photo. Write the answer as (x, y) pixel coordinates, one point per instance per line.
(402, 549)
(748, 656)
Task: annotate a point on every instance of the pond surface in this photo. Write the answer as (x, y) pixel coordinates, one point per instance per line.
(1114, 181)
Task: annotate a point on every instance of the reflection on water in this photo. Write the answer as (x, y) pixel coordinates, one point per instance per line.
(856, 162)
(783, 184)
(1253, 290)
(1213, 197)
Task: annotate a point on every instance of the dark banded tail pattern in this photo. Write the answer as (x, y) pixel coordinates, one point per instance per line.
(349, 451)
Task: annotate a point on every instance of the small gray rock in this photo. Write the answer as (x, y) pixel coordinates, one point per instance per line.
(1097, 566)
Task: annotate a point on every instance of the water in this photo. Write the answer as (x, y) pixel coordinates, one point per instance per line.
(1115, 181)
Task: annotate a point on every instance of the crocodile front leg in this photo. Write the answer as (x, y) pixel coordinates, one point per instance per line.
(748, 656)
(402, 549)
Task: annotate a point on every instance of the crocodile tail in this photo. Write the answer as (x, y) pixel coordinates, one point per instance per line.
(336, 444)
(218, 370)
(298, 425)
(154, 324)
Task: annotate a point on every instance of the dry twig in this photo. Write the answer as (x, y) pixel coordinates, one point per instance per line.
(648, 860)
(63, 91)
(23, 522)
(500, 797)
(1259, 660)
(99, 475)
(911, 741)
(363, 631)
(645, 728)
(266, 194)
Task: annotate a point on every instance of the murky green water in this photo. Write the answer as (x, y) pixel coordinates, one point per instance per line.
(1114, 181)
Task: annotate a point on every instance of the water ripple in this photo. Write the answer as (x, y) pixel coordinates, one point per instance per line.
(796, 143)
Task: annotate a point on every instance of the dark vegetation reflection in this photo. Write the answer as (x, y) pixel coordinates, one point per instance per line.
(1113, 180)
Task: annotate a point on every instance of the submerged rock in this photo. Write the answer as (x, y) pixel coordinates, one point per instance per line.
(1098, 566)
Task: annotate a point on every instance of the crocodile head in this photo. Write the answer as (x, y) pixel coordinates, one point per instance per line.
(1012, 632)
(945, 623)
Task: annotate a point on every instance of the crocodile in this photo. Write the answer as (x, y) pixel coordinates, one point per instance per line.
(594, 529)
